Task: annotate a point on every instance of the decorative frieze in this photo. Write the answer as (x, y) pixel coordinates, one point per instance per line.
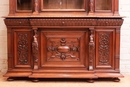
(109, 22)
(63, 22)
(76, 22)
(17, 22)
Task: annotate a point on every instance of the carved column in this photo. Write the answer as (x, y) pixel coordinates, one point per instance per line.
(35, 49)
(116, 8)
(91, 49)
(117, 51)
(91, 4)
(36, 7)
(12, 7)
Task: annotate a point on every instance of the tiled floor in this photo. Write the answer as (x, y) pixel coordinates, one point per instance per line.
(125, 82)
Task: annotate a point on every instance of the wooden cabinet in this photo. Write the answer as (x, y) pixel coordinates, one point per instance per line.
(63, 39)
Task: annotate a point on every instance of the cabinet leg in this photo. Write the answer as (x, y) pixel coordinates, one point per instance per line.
(116, 79)
(90, 80)
(35, 80)
(10, 79)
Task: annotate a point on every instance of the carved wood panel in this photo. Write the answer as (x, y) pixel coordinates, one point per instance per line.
(22, 48)
(22, 51)
(105, 48)
(63, 49)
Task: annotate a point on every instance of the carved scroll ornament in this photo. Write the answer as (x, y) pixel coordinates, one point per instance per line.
(63, 50)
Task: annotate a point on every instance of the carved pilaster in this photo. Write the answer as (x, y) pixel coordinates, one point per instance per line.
(36, 7)
(91, 6)
(91, 49)
(12, 7)
(35, 50)
(116, 13)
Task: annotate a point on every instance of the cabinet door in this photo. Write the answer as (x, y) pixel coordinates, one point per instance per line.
(64, 49)
(22, 48)
(105, 48)
(24, 5)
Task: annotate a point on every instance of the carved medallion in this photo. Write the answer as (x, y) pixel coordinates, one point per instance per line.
(23, 48)
(61, 49)
(104, 48)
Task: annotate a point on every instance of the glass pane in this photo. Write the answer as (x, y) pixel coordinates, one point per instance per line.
(24, 4)
(103, 4)
(63, 4)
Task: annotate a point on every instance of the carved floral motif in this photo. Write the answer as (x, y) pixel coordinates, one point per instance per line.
(63, 22)
(23, 48)
(104, 48)
(63, 49)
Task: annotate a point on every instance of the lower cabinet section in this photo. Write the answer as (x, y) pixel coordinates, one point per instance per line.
(88, 52)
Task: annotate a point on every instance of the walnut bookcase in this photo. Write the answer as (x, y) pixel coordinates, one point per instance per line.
(63, 39)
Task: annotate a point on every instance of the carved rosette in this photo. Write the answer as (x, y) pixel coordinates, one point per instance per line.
(104, 48)
(63, 49)
(35, 50)
(91, 50)
(23, 48)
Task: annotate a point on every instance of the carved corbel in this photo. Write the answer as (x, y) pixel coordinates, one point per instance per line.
(36, 7)
(35, 50)
(91, 49)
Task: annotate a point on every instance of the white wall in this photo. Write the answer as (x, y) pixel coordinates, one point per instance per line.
(124, 9)
(4, 9)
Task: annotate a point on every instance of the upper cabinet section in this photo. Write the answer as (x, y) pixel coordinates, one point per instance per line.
(103, 5)
(63, 5)
(41, 7)
(24, 5)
